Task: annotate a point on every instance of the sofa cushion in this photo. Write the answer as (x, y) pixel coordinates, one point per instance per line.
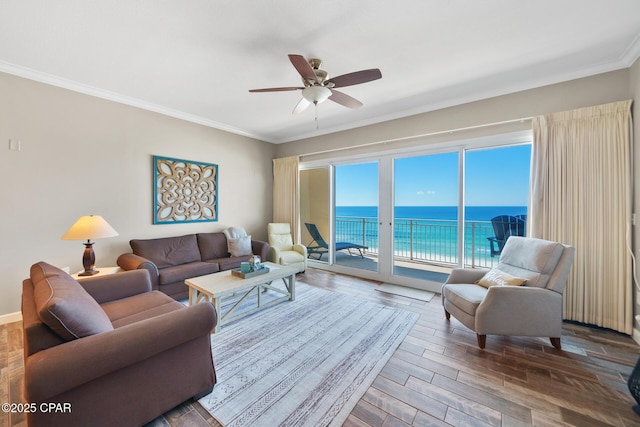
(64, 306)
(212, 245)
(168, 251)
(179, 273)
(139, 307)
(230, 262)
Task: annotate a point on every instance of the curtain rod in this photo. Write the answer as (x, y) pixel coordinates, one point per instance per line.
(405, 138)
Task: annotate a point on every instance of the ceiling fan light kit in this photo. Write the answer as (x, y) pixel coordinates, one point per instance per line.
(316, 94)
(317, 88)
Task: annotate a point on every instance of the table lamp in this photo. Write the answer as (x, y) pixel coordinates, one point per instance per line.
(89, 227)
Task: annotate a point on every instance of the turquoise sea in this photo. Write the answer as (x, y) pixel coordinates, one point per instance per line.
(429, 233)
(472, 213)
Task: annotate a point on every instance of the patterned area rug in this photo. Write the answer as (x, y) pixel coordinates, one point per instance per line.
(302, 363)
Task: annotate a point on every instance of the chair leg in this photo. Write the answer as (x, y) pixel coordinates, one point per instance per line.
(556, 343)
(447, 315)
(482, 341)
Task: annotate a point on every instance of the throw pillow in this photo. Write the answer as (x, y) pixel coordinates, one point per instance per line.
(64, 305)
(496, 277)
(240, 246)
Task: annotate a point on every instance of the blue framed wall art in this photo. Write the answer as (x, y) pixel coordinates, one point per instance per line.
(184, 191)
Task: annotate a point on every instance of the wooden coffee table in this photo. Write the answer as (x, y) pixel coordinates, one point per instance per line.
(215, 287)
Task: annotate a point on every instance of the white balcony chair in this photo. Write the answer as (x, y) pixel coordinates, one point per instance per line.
(532, 309)
(282, 249)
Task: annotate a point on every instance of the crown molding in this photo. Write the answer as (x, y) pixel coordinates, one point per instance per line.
(632, 52)
(53, 80)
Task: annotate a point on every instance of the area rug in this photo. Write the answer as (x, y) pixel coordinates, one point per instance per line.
(302, 363)
(405, 291)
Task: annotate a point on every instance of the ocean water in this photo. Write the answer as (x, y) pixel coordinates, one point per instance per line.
(427, 233)
(472, 213)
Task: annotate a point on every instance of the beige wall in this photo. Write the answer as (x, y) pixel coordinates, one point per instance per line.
(83, 155)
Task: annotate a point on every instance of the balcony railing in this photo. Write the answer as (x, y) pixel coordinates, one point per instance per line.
(423, 240)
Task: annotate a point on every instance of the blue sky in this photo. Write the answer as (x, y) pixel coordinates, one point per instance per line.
(494, 177)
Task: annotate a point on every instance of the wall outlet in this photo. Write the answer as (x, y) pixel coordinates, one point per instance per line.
(15, 145)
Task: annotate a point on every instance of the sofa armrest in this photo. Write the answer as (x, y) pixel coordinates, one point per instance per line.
(520, 310)
(111, 287)
(131, 261)
(465, 275)
(260, 248)
(80, 361)
(301, 249)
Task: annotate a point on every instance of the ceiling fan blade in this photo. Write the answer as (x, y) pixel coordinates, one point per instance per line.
(301, 106)
(344, 99)
(356, 78)
(303, 67)
(275, 89)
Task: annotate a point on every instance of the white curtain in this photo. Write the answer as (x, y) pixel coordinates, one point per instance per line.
(581, 194)
(286, 207)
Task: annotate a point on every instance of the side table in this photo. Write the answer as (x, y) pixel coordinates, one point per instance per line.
(101, 272)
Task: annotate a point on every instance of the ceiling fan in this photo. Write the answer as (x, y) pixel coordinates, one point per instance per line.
(318, 88)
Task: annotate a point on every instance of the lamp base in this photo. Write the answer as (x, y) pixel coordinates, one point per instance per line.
(88, 260)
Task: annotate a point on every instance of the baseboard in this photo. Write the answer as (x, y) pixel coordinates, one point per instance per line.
(636, 335)
(10, 318)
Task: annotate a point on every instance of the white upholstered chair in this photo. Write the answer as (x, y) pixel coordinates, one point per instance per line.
(531, 309)
(282, 249)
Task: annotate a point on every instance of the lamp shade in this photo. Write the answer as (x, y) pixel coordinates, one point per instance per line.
(89, 227)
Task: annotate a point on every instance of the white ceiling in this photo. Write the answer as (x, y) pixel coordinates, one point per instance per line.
(197, 59)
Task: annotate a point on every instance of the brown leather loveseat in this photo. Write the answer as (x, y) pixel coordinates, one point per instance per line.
(109, 350)
(172, 260)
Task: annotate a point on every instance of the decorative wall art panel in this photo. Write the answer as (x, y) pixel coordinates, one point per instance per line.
(184, 191)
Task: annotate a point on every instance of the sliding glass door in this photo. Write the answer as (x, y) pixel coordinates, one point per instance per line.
(497, 191)
(409, 219)
(425, 232)
(356, 216)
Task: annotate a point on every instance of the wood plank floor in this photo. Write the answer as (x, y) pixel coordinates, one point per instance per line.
(439, 377)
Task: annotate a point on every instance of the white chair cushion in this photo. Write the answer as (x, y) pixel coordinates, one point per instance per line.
(279, 228)
(529, 258)
(466, 297)
(283, 242)
(290, 257)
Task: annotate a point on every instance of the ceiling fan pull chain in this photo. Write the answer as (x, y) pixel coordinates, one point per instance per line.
(317, 125)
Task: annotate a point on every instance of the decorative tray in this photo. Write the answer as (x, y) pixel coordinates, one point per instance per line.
(236, 272)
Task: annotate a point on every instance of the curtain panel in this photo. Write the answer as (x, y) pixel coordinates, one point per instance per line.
(286, 207)
(581, 194)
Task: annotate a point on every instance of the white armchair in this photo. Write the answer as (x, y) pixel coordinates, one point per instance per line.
(532, 309)
(282, 250)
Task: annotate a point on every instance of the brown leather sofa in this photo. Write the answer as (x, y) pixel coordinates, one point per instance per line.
(171, 260)
(109, 350)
